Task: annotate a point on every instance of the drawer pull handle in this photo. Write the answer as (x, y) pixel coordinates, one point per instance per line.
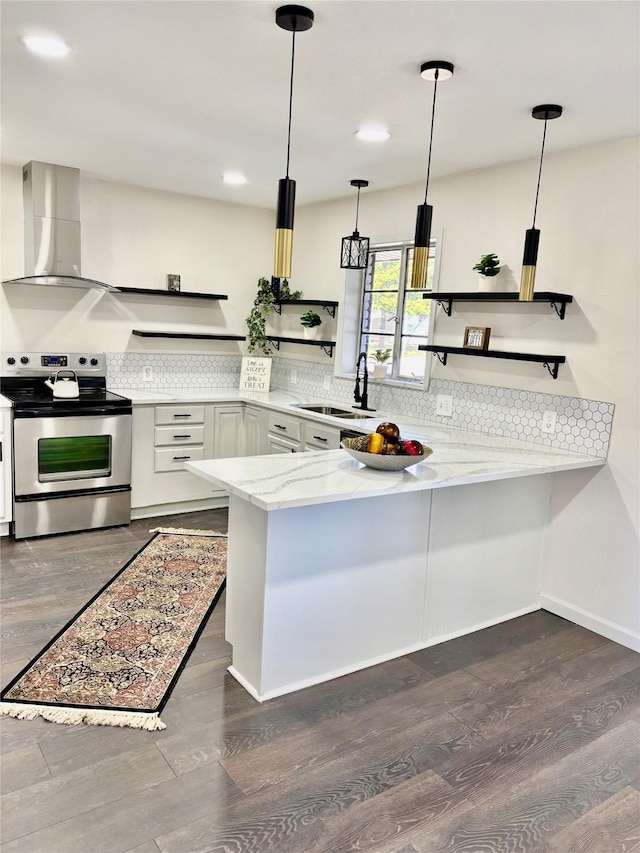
(179, 458)
(279, 426)
(182, 416)
(182, 436)
(320, 438)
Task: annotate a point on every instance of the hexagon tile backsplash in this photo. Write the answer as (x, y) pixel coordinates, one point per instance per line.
(582, 426)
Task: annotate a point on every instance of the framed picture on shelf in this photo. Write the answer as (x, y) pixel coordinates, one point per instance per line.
(173, 282)
(476, 337)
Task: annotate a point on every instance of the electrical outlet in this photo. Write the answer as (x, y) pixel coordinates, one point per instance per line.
(548, 421)
(147, 374)
(444, 405)
(293, 378)
(326, 383)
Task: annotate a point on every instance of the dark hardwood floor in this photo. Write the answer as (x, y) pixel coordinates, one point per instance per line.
(522, 737)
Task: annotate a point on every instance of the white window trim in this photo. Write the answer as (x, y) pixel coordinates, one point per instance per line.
(350, 320)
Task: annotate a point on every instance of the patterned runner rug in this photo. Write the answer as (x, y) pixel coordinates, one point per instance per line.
(117, 661)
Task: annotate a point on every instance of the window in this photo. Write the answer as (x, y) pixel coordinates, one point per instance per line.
(394, 317)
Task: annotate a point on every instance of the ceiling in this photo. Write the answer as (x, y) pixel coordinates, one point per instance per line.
(171, 93)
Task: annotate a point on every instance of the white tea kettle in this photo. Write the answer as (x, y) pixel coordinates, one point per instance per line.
(64, 384)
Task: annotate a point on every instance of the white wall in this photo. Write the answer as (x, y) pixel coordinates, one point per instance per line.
(588, 216)
(133, 237)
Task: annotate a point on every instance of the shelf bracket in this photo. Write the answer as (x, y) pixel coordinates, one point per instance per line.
(441, 356)
(275, 344)
(559, 308)
(277, 308)
(552, 370)
(330, 309)
(328, 349)
(446, 305)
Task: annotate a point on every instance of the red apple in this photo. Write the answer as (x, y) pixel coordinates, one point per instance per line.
(412, 448)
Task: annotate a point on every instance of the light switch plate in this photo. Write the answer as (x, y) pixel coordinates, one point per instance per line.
(444, 405)
(326, 383)
(147, 374)
(293, 378)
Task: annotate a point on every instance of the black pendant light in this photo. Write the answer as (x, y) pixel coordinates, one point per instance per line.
(294, 19)
(544, 112)
(435, 70)
(355, 249)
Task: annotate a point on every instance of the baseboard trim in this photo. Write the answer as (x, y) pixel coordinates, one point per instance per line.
(590, 621)
(178, 507)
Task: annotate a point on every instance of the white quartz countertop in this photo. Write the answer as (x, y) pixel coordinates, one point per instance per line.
(281, 481)
(4, 403)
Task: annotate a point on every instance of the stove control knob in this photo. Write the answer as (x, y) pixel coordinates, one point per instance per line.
(24, 360)
(11, 360)
(94, 361)
(82, 360)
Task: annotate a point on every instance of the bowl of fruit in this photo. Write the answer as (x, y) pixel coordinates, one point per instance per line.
(385, 450)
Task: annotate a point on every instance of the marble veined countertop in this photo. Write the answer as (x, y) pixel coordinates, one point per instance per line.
(281, 481)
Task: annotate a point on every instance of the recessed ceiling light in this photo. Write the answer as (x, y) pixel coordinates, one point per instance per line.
(373, 134)
(234, 178)
(46, 46)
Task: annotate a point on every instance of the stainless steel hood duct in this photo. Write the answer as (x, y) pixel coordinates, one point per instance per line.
(52, 228)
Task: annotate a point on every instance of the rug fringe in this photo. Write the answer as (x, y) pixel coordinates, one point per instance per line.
(186, 530)
(76, 716)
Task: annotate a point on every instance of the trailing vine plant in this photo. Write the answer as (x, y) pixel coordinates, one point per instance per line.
(266, 298)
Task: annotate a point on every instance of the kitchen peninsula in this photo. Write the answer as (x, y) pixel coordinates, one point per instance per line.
(334, 567)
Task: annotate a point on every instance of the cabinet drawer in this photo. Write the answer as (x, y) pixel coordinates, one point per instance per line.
(179, 414)
(283, 425)
(187, 434)
(318, 437)
(173, 458)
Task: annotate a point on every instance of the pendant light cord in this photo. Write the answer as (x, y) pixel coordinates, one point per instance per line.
(293, 59)
(433, 116)
(535, 207)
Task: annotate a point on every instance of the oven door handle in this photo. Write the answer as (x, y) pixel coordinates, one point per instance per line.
(66, 411)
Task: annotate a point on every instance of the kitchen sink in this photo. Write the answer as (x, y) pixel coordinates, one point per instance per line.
(332, 410)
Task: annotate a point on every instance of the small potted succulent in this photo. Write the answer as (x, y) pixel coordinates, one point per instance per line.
(381, 357)
(311, 323)
(488, 267)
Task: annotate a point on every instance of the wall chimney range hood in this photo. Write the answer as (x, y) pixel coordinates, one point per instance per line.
(52, 228)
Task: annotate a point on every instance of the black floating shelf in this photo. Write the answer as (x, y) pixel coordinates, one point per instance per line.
(558, 301)
(551, 362)
(328, 305)
(327, 346)
(174, 294)
(200, 336)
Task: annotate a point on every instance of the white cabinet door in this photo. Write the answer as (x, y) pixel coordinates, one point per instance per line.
(320, 437)
(227, 432)
(6, 488)
(255, 431)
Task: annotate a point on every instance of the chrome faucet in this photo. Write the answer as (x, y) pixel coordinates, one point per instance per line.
(362, 398)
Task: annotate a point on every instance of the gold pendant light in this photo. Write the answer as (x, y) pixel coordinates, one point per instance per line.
(545, 112)
(294, 19)
(435, 70)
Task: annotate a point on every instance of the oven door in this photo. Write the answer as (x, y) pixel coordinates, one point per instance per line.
(62, 454)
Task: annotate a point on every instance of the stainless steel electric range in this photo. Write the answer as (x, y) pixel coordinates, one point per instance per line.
(72, 454)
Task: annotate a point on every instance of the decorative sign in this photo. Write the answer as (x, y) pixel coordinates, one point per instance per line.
(173, 281)
(476, 337)
(255, 374)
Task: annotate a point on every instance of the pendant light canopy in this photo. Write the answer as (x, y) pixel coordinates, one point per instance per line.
(355, 249)
(436, 70)
(545, 112)
(294, 19)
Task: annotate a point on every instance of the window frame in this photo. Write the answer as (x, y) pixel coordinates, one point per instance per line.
(404, 246)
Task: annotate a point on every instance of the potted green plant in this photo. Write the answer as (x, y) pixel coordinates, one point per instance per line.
(488, 267)
(311, 323)
(381, 357)
(262, 308)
